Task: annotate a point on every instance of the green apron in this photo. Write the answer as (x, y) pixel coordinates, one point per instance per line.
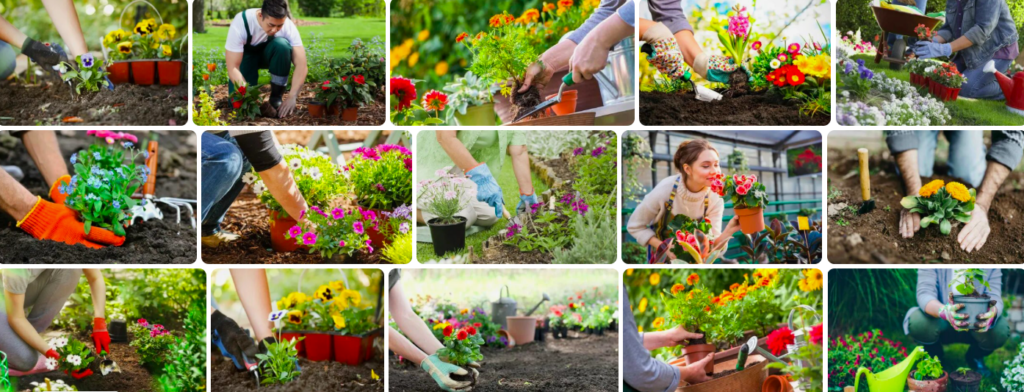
(274, 54)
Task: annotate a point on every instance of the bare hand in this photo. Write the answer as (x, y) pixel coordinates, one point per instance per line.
(910, 223)
(587, 60)
(679, 335)
(537, 74)
(974, 235)
(694, 372)
(286, 107)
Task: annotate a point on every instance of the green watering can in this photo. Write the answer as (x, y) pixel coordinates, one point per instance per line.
(893, 379)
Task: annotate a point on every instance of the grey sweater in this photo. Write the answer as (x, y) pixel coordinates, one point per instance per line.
(1007, 146)
(639, 369)
(933, 284)
(603, 11)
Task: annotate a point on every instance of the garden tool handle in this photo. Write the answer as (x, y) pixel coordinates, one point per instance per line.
(865, 174)
(149, 188)
(567, 79)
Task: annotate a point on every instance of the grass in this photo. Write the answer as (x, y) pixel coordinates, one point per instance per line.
(507, 180)
(963, 111)
(341, 30)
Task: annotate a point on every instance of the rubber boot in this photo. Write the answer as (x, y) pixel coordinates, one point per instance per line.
(276, 94)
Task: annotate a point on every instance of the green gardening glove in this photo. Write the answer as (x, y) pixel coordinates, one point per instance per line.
(714, 68)
(949, 313)
(441, 372)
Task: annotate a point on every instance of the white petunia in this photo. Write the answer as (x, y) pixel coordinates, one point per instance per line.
(259, 188)
(295, 163)
(59, 342)
(74, 360)
(249, 178)
(51, 364)
(314, 173)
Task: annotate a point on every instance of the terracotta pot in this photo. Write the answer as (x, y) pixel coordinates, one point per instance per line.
(508, 337)
(521, 328)
(318, 346)
(316, 109)
(378, 239)
(696, 352)
(279, 225)
(776, 384)
(751, 219)
(170, 72)
(144, 72)
(589, 98)
(350, 114)
(118, 72)
(938, 385)
(300, 346)
(568, 104)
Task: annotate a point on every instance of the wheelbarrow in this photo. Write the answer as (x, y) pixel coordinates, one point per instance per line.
(901, 23)
(893, 379)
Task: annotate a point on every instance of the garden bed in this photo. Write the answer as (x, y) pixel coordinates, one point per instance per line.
(589, 363)
(372, 114)
(153, 242)
(133, 376)
(658, 108)
(875, 237)
(325, 376)
(51, 104)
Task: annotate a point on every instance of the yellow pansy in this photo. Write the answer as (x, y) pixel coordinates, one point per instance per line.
(114, 37)
(337, 285)
(324, 293)
(295, 317)
(166, 50)
(145, 27)
(658, 322)
(124, 47)
(339, 322)
(166, 32)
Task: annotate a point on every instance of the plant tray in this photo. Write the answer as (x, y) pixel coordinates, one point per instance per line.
(585, 119)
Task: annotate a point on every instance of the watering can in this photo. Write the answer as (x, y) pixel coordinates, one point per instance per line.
(1013, 89)
(501, 309)
(893, 379)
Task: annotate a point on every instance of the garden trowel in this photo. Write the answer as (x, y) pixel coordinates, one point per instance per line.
(108, 366)
(566, 81)
(702, 93)
(748, 348)
(868, 204)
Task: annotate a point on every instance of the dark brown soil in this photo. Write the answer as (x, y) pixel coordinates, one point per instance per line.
(739, 82)
(372, 114)
(133, 377)
(731, 371)
(970, 377)
(525, 101)
(51, 104)
(588, 364)
(327, 376)
(751, 109)
(879, 229)
(153, 242)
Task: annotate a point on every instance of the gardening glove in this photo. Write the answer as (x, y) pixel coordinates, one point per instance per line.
(60, 189)
(234, 343)
(44, 54)
(714, 68)
(666, 56)
(100, 336)
(49, 221)
(80, 374)
(51, 353)
(949, 313)
(525, 201)
(985, 320)
(487, 189)
(441, 372)
(929, 49)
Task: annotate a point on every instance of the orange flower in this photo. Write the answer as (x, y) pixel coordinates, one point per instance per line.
(531, 15)
(480, 35)
(211, 67)
(509, 19)
(564, 3)
(676, 288)
(734, 286)
(692, 279)
(497, 20)
(766, 282)
(716, 301)
(930, 188)
(706, 308)
(548, 7)
(461, 37)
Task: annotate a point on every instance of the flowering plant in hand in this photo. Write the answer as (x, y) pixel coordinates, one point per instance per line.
(316, 176)
(382, 176)
(502, 53)
(461, 346)
(105, 179)
(75, 356)
(340, 232)
(89, 75)
(743, 190)
(924, 32)
(938, 202)
(446, 195)
(246, 101)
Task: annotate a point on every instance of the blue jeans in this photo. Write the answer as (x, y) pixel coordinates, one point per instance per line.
(223, 167)
(966, 154)
(7, 60)
(982, 85)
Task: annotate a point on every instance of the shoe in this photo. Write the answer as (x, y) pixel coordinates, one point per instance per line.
(978, 365)
(276, 94)
(218, 239)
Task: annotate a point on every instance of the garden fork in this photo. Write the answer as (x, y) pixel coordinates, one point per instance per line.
(147, 209)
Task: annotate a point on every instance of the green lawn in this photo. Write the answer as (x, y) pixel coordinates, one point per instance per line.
(507, 180)
(341, 30)
(963, 111)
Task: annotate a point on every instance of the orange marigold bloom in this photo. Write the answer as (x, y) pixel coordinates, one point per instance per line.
(766, 282)
(480, 35)
(734, 286)
(930, 188)
(707, 309)
(676, 288)
(548, 7)
(461, 37)
(958, 191)
(564, 3)
(509, 19)
(716, 300)
(497, 20)
(531, 15)
(692, 279)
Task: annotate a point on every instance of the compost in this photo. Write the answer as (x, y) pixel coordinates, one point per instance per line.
(751, 109)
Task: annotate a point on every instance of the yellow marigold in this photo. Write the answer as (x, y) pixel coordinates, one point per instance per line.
(676, 288)
(441, 68)
(643, 305)
(958, 191)
(658, 322)
(464, 311)
(818, 66)
(413, 59)
(655, 279)
(629, 272)
(423, 35)
(930, 188)
(734, 286)
(548, 7)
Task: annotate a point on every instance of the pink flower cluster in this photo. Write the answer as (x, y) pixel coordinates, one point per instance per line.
(154, 330)
(687, 237)
(111, 136)
(744, 183)
(739, 25)
(717, 181)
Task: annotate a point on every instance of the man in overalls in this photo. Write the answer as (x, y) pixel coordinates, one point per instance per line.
(266, 38)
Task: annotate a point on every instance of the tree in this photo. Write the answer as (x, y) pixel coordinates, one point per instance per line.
(199, 17)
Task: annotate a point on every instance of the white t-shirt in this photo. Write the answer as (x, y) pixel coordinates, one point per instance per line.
(236, 33)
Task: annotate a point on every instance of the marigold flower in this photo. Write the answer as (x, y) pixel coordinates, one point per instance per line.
(497, 21)
(531, 15)
(930, 188)
(676, 288)
(658, 322)
(564, 3)
(461, 37)
(692, 279)
(643, 305)
(655, 279)
(548, 7)
(958, 191)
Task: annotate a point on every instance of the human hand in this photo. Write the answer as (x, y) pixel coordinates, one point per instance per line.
(100, 336)
(694, 373)
(587, 59)
(985, 320)
(49, 221)
(715, 68)
(537, 74)
(286, 107)
(441, 372)
(929, 49)
(45, 54)
(679, 335)
(974, 235)
(910, 223)
(60, 189)
(488, 190)
(525, 201)
(949, 313)
(234, 343)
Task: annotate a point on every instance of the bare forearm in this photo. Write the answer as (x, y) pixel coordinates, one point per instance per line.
(557, 57)
(656, 340)
(688, 45)
(404, 348)
(933, 308)
(256, 301)
(282, 186)
(456, 150)
(98, 288)
(907, 162)
(995, 174)
(15, 200)
(411, 325)
(43, 148)
(521, 168)
(298, 79)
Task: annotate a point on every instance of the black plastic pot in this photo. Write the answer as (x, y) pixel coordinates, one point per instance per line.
(118, 330)
(538, 335)
(599, 331)
(959, 383)
(556, 332)
(449, 237)
(614, 325)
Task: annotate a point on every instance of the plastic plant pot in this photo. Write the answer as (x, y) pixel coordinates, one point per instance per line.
(568, 104)
(377, 239)
(334, 110)
(144, 72)
(118, 331)
(353, 350)
(937, 385)
(316, 109)
(969, 382)
(119, 72)
(350, 114)
(170, 72)
(449, 237)
(318, 346)
(945, 93)
(696, 352)
(973, 306)
(521, 328)
(776, 384)
(300, 346)
(476, 115)
(751, 220)
(279, 225)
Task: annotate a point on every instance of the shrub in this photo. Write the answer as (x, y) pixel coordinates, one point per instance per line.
(316, 176)
(367, 59)
(317, 8)
(399, 251)
(869, 349)
(593, 243)
(382, 176)
(596, 169)
(105, 179)
(322, 64)
(208, 114)
(151, 342)
(185, 370)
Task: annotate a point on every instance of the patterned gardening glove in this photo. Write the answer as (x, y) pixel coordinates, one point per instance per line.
(487, 188)
(667, 57)
(714, 68)
(949, 313)
(441, 372)
(55, 222)
(100, 336)
(985, 320)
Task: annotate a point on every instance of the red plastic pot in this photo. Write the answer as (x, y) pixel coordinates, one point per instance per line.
(751, 219)
(334, 109)
(316, 109)
(318, 346)
(170, 72)
(298, 345)
(568, 103)
(350, 114)
(144, 72)
(946, 94)
(918, 80)
(279, 225)
(118, 72)
(354, 350)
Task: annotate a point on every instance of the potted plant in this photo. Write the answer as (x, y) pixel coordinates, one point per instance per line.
(965, 380)
(918, 73)
(144, 67)
(693, 310)
(170, 68)
(316, 176)
(336, 236)
(748, 199)
(279, 365)
(106, 177)
(444, 197)
(75, 357)
(323, 98)
(382, 180)
(928, 377)
(353, 91)
(318, 322)
(966, 291)
(119, 49)
(938, 202)
(501, 55)
(150, 341)
(945, 81)
(354, 329)
(470, 102)
(461, 347)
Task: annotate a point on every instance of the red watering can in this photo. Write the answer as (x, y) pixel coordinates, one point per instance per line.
(1013, 89)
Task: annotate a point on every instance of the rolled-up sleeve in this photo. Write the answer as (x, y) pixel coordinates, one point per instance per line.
(670, 13)
(604, 10)
(1007, 148)
(639, 369)
(260, 149)
(628, 13)
(995, 288)
(986, 17)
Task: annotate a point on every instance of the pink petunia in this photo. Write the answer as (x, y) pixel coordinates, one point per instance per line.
(338, 213)
(357, 227)
(309, 239)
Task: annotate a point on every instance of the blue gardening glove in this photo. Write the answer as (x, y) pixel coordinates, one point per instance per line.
(441, 372)
(487, 189)
(234, 342)
(949, 313)
(929, 49)
(525, 201)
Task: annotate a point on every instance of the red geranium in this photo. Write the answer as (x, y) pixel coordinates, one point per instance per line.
(326, 86)
(359, 79)
(404, 90)
(236, 104)
(477, 325)
(471, 330)
(448, 330)
(779, 339)
(462, 335)
(816, 335)
(241, 90)
(435, 100)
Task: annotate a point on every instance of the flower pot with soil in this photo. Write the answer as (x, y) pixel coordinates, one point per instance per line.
(946, 81)
(522, 328)
(350, 114)
(119, 72)
(969, 287)
(964, 380)
(461, 346)
(352, 92)
(316, 109)
(441, 199)
(318, 346)
(470, 102)
(353, 350)
(280, 223)
(170, 72)
(118, 331)
(143, 72)
(928, 376)
(382, 181)
(776, 384)
(751, 378)
(693, 353)
(748, 197)
(567, 104)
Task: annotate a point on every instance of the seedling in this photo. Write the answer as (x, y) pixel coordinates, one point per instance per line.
(279, 364)
(842, 222)
(963, 370)
(928, 369)
(89, 75)
(965, 281)
(105, 179)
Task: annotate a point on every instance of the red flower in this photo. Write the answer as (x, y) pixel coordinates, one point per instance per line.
(462, 335)
(404, 90)
(359, 79)
(236, 104)
(435, 100)
(795, 77)
(241, 90)
(816, 334)
(471, 330)
(572, 306)
(448, 330)
(779, 339)
(344, 78)
(461, 37)
(325, 86)
(477, 325)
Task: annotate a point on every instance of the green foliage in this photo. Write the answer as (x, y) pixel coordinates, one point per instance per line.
(279, 363)
(856, 302)
(74, 354)
(366, 59)
(399, 251)
(89, 75)
(461, 346)
(316, 176)
(465, 92)
(246, 101)
(322, 61)
(185, 369)
(634, 253)
(669, 86)
(967, 280)
(382, 176)
(637, 156)
(502, 54)
(594, 242)
(355, 90)
(161, 293)
(207, 114)
(869, 349)
(940, 207)
(339, 232)
(317, 8)
(595, 168)
(928, 369)
(106, 177)
(545, 231)
(151, 342)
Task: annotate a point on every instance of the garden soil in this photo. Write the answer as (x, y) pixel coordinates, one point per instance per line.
(372, 114)
(327, 376)
(133, 376)
(751, 109)
(153, 242)
(875, 237)
(586, 364)
(51, 104)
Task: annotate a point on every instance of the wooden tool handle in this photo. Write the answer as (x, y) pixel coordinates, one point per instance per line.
(865, 174)
(149, 189)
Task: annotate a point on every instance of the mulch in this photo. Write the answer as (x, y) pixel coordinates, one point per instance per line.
(326, 376)
(372, 114)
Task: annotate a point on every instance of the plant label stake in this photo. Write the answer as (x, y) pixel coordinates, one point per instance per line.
(868, 204)
(566, 81)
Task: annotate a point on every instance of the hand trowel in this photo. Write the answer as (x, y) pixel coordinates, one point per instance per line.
(566, 81)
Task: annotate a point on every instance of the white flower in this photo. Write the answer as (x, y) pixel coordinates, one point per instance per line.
(442, 172)
(775, 63)
(249, 178)
(74, 360)
(59, 342)
(295, 163)
(314, 173)
(259, 188)
(51, 364)
(305, 172)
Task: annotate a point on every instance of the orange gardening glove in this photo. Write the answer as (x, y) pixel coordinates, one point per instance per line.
(55, 191)
(49, 221)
